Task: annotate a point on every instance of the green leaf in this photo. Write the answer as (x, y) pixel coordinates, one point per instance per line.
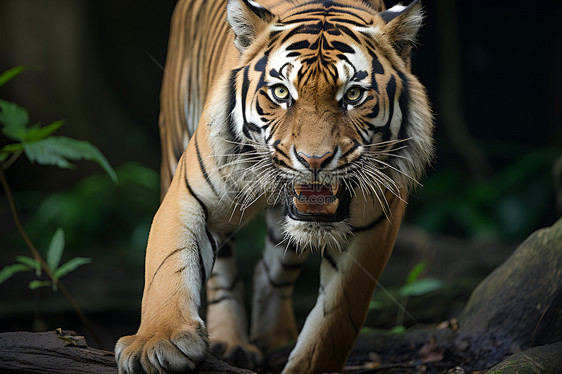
(397, 329)
(46, 152)
(10, 270)
(11, 148)
(34, 284)
(70, 266)
(375, 305)
(415, 272)
(55, 250)
(39, 133)
(10, 74)
(14, 118)
(4, 155)
(59, 150)
(420, 287)
(366, 329)
(31, 263)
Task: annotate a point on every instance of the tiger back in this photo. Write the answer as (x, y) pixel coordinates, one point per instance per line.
(309, 110)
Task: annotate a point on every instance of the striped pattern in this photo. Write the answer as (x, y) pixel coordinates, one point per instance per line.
(273, 320)
(192, 62)
(286, 94)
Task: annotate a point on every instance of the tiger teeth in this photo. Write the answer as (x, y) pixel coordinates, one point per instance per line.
(330, 208)
(302, 207)
(298, 188)
(333, 206)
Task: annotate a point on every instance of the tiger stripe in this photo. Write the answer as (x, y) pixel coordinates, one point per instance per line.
(273, 321)
(203, 169)
(307, 109)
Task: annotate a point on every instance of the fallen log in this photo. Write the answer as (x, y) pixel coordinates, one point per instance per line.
(62, 351)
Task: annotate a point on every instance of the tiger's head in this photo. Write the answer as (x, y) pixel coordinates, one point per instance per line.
(326, 111)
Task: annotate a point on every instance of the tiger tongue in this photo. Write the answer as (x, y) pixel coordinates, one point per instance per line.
(316, 198)
(318, 208)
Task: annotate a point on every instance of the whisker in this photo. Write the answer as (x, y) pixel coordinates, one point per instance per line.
(397, 170)
(388, 183)
(386, 143)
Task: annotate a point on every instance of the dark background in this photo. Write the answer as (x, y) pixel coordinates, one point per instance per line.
(492, 70)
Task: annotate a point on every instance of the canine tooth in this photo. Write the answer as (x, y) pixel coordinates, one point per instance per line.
(298, 189)
(333, 206)
(300, 206)
(335, 189)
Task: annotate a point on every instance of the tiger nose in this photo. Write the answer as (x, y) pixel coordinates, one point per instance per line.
(314, 161)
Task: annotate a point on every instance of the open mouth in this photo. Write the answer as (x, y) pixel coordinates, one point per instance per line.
(318, 202)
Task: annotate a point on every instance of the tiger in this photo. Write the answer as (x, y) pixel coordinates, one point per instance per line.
(308, 111)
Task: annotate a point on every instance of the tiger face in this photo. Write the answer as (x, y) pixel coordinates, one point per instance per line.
(329, 112)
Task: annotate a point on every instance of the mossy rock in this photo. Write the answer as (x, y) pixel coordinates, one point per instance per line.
(545, 359)
(519, 305)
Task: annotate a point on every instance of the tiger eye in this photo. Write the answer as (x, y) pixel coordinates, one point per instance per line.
(353, 94)
(280, 92)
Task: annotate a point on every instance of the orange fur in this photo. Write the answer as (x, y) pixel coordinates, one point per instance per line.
(247, 149)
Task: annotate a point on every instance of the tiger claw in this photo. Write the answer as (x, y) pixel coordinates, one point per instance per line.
(177, 351)
(243, 355)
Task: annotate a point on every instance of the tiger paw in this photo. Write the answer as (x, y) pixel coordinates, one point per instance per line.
(163, 351)
(243, 355)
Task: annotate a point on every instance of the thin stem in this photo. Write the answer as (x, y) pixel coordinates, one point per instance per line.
(44, 265)
(400, 313)
(11, 160)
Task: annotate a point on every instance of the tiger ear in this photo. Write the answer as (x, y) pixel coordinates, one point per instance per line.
(402, 23)
(247, 19)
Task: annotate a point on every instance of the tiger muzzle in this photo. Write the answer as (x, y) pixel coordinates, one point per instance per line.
(318, 202)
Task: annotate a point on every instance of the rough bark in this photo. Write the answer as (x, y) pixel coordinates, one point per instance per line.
(65, 352)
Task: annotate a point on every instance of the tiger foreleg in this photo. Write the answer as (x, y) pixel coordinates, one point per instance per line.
(347, 281)
(226, 315)
(273, 319)
(172, 337)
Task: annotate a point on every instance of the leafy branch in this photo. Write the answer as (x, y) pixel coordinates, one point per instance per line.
(39, 146)
(54, 254)
(38, 260)
(413, 287)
